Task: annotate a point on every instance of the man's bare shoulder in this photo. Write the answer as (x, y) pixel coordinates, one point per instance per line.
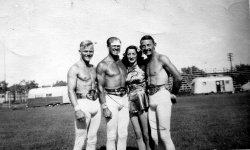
(163, 59)
(74, 68)
(102, 65)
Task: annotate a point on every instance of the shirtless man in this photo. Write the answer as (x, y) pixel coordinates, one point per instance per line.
(159, 113)
(83, 96)
(111, 75)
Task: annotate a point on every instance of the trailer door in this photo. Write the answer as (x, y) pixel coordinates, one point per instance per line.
(218, 86)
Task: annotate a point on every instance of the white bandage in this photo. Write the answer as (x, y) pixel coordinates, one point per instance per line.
(77, 107)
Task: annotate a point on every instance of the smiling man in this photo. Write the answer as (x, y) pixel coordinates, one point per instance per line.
(159, 114)
(83, 96)
(111, 75)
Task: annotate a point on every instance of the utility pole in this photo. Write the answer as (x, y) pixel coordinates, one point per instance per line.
(230, 59)
(4, 63)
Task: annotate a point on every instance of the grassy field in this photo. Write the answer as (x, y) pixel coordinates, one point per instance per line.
(198, 122)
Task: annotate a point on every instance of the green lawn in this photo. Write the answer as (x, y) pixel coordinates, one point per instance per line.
(198, 122)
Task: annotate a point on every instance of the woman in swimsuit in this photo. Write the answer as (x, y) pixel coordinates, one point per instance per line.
(138, 100)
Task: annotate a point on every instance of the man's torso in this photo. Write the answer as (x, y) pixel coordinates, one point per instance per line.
(86, 76)
(156, 73)
(115, 74)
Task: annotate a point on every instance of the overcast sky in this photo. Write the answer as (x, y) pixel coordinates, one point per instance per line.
(41, 37)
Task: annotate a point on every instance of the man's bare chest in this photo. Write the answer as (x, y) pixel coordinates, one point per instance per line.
(153, 68)
(115, 68)
(86, 74)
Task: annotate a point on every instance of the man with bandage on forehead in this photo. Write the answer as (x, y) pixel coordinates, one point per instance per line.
(111, 75)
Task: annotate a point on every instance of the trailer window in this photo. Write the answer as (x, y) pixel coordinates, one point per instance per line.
(204, 83)
(49, 95)
(227, 81)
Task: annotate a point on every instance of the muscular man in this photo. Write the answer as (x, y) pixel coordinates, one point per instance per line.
(83, 96)
(159, 113)
(111, 75)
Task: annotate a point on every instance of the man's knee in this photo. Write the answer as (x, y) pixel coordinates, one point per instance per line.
(79, 140)
(111, 135)
(123, 133)
(154, 136)
(165, 135)
(92, 140)
(80, 134)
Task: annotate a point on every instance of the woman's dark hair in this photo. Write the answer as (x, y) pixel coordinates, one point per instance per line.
(140, 59)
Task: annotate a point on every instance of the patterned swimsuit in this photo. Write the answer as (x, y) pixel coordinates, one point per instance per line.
(136, 84)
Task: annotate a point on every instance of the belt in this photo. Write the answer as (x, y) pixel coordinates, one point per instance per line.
(152, 89)
(118, 92)
(83, 96)
(80, 96)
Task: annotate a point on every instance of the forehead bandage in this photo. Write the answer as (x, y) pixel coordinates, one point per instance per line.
(115, 42)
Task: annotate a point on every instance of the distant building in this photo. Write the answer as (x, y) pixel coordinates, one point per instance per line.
(246, 87)
(2, 99)
(213, 84)
(48, 96)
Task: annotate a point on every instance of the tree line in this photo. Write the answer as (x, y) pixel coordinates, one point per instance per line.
(240, 74)
(24, 86)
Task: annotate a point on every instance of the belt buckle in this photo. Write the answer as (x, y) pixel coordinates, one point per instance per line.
(153, 89)
(92, 92)
(79, 95)
(120, 92)
(117, 92)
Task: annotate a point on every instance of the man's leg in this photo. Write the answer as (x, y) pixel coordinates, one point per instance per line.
(111, 124)
(93, 129)
(164, 116)
(153, 125)
(123, 121)
(81, 132)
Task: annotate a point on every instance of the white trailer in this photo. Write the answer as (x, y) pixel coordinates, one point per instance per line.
(2, 99)
(48, 96)
(246, 87)
(213, 84)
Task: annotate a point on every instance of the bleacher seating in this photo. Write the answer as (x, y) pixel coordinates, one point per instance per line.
(187, 79)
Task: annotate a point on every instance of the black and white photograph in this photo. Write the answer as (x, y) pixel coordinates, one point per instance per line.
(124, 75)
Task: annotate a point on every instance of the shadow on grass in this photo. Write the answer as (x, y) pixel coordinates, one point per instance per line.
(128, 148)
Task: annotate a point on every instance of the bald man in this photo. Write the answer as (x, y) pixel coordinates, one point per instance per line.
(83, 96)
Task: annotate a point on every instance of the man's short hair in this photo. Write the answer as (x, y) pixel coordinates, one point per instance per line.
(147, 37)
(85, 43)
(111, 39)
